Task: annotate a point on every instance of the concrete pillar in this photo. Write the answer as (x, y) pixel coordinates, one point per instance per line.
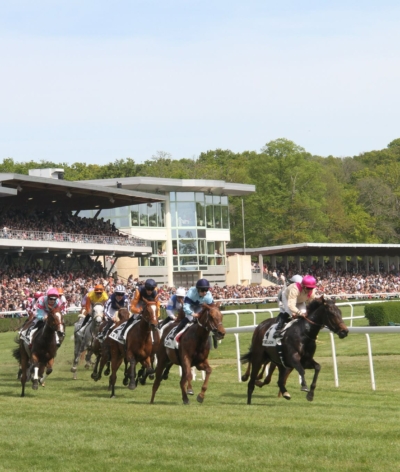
(386, 264)
(355, 262)
(366, 263)
(168, 249)
(309, 261)
(298, 263)
(396, 262)
(261, 263)
(376, 263)
(273, 262)
(343, 260)
(332, 260)
(285, 262)
(321, 261)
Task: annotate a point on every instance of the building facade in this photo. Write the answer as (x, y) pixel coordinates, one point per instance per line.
(188, 232)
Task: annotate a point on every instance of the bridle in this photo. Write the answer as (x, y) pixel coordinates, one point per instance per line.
(324, 325)
(147, 318)
(212, 326)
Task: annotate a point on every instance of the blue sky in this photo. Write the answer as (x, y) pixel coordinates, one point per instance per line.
(94, 81)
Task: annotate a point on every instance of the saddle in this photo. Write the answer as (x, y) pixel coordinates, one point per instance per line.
(114, 335)
(172, 338)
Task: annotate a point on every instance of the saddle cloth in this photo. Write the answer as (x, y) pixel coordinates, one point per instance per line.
(27, 335)
(169, 340)
(117, 331)
(269, 339)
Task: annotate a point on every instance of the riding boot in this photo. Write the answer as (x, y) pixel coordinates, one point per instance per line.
(85, 320)
(282, 319)
(104, 332)
(165, 321)
(128, 323)
(180, 327)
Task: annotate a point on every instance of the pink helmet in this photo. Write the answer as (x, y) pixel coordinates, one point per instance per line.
(38, 295)
(52, 292)
(309, 281)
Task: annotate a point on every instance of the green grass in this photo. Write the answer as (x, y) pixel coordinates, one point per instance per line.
(73, 425)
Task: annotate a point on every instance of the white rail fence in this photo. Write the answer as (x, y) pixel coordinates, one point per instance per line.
(365, 330)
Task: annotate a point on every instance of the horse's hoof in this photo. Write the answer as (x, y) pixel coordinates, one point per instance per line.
(73, 370)
(304, 389)
(142, 381)
(151, 376)
(245, 378)
(87, 366)
(132, 386)
(186, 402)
(190, 391)
(93, 375)
(310, 396)
(165, 376)
(259, 383)
(200, 399)
(286, 396)
(125, 381)
(107, 372)
(35, 385)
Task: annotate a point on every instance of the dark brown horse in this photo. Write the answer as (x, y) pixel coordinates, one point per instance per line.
(40, 355)
(193, 350)
(298, 346)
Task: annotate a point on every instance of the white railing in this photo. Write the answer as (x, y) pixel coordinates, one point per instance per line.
(366, 330)
(10, 314)
(70, 237)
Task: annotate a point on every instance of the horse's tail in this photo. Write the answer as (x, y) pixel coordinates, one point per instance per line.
(17, 351)
(247, 357)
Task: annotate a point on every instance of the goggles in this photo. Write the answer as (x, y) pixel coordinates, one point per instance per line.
(52, 298)
(119, 294)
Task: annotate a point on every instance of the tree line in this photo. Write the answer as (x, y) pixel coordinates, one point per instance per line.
(299, 197)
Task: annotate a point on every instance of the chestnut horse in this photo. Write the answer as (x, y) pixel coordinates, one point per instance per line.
(101, 350)
(193, 350)
(298, 346)
(40, 355)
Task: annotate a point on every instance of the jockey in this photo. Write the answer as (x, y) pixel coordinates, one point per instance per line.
(175, 303)
(98, 295)
(193, 301)
(149, 293)
(31, 308)
(45, 304)
(117, 300)
(294, 279)
(294, 299)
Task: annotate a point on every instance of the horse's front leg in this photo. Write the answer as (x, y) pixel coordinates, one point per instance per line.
(282, 383)
(203, 366)
(187, 378)
(162, 360)
(313, 365)
(132, 368)
(115, 364)
(49, 370)
(24, 367)
(77, 354)
(35, 372)
(88, 358)
(296, 363)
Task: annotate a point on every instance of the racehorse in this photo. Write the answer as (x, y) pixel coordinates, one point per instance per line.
(40, 355)
(298, 346)
(102, 350)
(84, 337)
(193, 350)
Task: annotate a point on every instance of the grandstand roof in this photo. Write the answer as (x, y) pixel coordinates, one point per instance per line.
(25, 191)
(321, 249)
(153, 184)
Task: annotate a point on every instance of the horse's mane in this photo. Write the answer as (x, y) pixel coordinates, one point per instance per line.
(314, 305)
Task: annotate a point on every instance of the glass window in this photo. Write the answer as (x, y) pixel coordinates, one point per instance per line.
(135, 215)
(144, 219)
(173, 214)
(188, 261)
(186, 214)
(216, 199)
(209, 216)
(175, 261)
(185, 196)
(201, 233)
(152, 214)
(187, 246)
(162, 261)
(172, 196)
(85, 214)
(161, 214)
(199, 196)
(202, 246)
(122, 211)
(121, 222)
(210, 247)
(173, 233)
(225, 217)
(208, 199)
(224, 200)
(187, 233)
(105, 214)
(200, 212)
(203, 260)
(217, 216)
(153, 261)
(211, 261)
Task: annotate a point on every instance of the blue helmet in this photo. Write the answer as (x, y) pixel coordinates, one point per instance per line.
(150, 284)
(203, 283)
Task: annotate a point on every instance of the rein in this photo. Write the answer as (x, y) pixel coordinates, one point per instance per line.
(212, 327)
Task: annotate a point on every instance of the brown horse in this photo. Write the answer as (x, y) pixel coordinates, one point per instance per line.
(193, 350)
(40, 355)
(102, 350)
(298, 346)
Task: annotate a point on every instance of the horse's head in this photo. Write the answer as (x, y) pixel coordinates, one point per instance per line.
(333, 318)
(55, 320)
(149, 313)
(98, 313)
(211, 318)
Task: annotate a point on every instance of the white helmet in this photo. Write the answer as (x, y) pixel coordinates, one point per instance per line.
(119, 289)
(180, 292)
(296, 279)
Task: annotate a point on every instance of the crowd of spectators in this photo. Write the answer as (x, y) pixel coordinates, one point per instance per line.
(60, 225)
(16, 286)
